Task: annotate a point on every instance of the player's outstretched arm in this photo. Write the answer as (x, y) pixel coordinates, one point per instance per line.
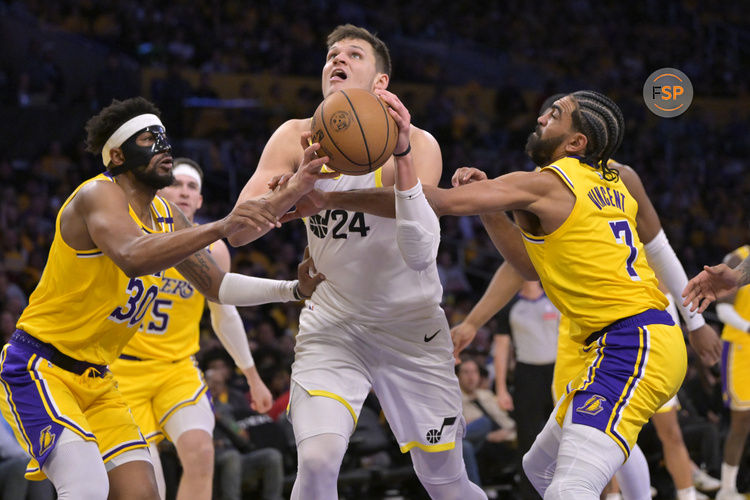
(504, 285)
(209, 279)
(504, 234)
(714, 282)
(99, 217)
(280, 158)
(501, 355)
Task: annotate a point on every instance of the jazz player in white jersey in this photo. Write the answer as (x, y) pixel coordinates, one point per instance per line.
(376, 322)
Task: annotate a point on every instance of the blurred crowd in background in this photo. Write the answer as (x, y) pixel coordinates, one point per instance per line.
(225, 74)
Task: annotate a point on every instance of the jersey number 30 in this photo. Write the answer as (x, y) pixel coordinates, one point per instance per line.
(624, 235)
(138, 303)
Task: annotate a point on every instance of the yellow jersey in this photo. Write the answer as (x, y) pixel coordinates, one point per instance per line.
(84, 304)
(171, 328)
(593, 267)
(741, 305)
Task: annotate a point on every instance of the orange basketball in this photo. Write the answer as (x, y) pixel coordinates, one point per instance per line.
(354, 130)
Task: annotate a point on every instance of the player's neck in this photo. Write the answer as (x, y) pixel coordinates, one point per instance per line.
(139, 197)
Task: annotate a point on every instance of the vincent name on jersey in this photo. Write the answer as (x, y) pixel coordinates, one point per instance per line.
(602, 196)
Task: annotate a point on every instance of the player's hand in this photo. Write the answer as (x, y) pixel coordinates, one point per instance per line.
(279, 180)
(309, 170)
(254, 214)
(706, 343)
(714, 282)
(261, 396)
(401, 115)
(309, 277)
(310, 204)
(462, 334)
(504, 399)
(467, 175)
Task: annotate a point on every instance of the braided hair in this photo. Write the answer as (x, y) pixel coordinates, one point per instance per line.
(601, 121)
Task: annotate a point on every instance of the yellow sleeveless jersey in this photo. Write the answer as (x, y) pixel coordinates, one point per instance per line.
(593, 267)
(84, 304)
(171, 328)
(741, 305)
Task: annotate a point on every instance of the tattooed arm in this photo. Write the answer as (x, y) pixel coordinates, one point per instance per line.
(208, 278)
(199, 269)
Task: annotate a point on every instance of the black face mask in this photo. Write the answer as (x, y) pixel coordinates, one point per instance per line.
(140, 156)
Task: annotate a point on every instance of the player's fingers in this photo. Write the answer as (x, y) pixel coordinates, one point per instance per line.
(306, 255)
(305, 139)
(310, 151)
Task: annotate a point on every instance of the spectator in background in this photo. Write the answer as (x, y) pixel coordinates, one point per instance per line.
(486, 422)
(13, 460)
(236, 457)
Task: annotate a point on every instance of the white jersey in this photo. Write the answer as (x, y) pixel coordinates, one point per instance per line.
(366, 276)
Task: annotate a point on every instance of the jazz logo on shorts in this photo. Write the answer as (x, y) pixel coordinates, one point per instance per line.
(434, 435)
(592, 406)
(668, 92)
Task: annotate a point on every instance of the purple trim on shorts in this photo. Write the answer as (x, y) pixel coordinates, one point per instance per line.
(609, 387)
(27, 404)
(647, 317)
(131, 444)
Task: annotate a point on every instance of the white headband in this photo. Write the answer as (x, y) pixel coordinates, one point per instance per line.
(189, 170)
(127, 129)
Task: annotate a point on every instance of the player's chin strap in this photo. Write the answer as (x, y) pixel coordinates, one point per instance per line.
(125, 139)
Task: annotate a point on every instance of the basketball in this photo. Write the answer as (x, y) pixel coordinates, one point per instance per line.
(355, 131)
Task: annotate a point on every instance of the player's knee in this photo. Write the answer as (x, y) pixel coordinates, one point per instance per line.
(740, 421)
(534, 462)
(95, 487)
(670, 435)
(566, 488)
(197, 454)
(312, 460)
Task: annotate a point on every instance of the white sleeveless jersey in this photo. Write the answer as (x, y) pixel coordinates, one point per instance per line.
(366, 276)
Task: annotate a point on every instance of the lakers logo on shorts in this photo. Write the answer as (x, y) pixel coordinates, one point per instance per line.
(434, 435)
(46, 439)
(592, 406)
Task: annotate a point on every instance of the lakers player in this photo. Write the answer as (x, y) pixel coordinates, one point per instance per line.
(578, 223)
(156, 372)
(113, 237)
(734, 312)
(376, 322)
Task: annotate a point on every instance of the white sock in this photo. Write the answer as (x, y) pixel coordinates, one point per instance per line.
(686, 493)
(729, 476)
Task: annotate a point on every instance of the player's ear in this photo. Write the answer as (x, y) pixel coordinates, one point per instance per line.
(576, 143)
(200, 202)
(381, 81)
(116, 156)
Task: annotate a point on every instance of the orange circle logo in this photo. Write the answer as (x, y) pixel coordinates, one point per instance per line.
(668, 92)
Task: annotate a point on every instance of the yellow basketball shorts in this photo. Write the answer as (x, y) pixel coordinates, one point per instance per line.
(632, 369)
(568, 363)
(155, 389)
(40, 399)
(735, 374)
